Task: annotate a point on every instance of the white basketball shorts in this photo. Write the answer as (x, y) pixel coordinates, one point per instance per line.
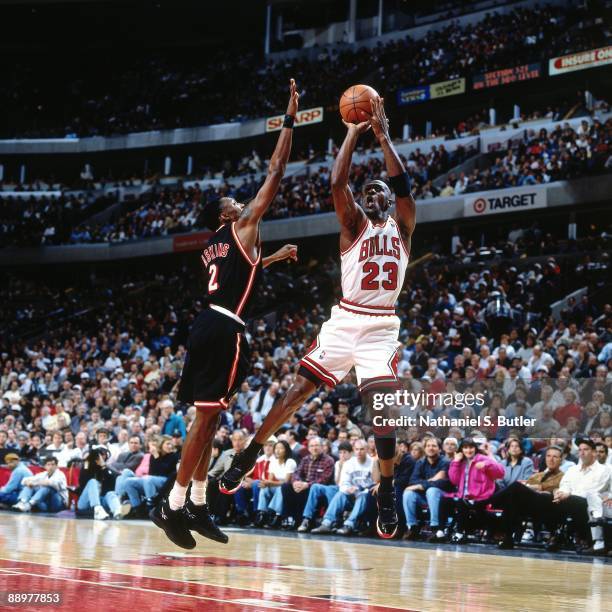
(348, 339)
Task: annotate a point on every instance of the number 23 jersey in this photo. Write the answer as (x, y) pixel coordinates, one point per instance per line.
(374, 268)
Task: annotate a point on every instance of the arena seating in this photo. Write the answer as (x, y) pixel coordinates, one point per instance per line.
(71, 362)
(131, 99)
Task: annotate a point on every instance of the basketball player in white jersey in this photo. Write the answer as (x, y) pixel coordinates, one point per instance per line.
(363, 329)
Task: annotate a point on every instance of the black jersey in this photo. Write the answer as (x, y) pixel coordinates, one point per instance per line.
(232, 276)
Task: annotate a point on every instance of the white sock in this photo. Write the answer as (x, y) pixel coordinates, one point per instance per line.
(176, 499)
(198, 492)
(597, 533)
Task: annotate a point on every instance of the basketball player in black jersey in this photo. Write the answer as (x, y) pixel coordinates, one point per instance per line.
(217, 350)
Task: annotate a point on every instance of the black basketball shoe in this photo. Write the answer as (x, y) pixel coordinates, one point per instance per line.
(239, 469)
(200, 520)
(174, 524)
(387, 522)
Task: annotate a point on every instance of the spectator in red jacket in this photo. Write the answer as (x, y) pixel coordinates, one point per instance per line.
(473, 471)
(571, 408)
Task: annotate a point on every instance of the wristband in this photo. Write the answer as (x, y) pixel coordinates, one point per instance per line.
(289, 121)
(400, 185)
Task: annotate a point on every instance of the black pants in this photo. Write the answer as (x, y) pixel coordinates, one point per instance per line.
(519, 502)
(293, 503)
(218, 503)
(576, 508)
(468, 514)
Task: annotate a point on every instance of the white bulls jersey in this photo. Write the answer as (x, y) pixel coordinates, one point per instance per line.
(373, 268)
(362, 331)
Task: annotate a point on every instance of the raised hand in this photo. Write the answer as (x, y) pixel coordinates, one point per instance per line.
(294, 98)
(379, 121)
(360, 128)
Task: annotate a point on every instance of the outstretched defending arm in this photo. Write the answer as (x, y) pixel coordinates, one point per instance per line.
(350, 216)
(405, 206)
(247, 225)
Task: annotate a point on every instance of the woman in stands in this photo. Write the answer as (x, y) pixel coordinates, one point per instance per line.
(280, 470)
(516, 465)
(162, 466)
(473, 471)
(96, 488)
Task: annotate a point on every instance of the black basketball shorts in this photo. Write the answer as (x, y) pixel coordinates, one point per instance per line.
(217, 360)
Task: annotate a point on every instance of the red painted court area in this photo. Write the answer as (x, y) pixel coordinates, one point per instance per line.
(91, 589)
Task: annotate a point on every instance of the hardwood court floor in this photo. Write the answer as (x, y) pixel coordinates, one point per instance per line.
(130, 566)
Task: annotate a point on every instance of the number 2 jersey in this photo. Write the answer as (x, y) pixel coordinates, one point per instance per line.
(231, 275)
(373, 269)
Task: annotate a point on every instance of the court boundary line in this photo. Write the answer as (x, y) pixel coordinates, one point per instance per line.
(112, 585)
(366, 604)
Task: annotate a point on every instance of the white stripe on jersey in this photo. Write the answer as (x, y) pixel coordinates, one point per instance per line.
(374, 266)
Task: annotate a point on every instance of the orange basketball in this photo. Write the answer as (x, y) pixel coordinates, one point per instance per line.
(355, 103)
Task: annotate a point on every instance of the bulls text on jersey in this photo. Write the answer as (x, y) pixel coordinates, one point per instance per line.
(377, 245)
(373, 268)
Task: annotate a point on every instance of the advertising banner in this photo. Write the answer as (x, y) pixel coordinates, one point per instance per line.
(504, 200)
(506, 76)
(190, 242)
(580, 61)
(447, 88)
(309, 116)
(412, 95)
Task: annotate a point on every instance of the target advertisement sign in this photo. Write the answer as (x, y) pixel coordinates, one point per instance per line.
(505, 200)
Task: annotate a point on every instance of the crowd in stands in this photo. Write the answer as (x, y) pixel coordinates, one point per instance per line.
(537, 158)
(540, 158)
(47, 219)
(97, 389)
(159, 92)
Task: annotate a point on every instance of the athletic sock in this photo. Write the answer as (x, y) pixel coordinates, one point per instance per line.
(386, 483)
(198, 492)
(176, 499)
(251, 452)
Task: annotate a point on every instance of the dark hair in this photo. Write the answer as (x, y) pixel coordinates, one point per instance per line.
(51, 458)
(288, 453)
(586, 441)
(209, 216)
(522, 454)
(346, 446)
(93, 468)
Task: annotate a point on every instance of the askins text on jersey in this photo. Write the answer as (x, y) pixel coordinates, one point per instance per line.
(232, 275)
(373, 269)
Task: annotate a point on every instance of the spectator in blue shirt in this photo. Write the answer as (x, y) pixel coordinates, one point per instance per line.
(10, 491)
(606, 353)
(173, 421)
(428, 482)
(517, 467)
